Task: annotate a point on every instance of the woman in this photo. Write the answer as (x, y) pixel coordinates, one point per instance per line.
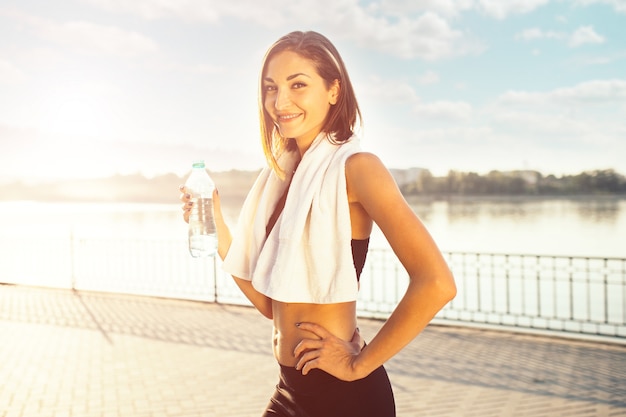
(303, 233)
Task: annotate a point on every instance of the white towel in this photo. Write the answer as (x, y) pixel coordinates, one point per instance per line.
(307, 257)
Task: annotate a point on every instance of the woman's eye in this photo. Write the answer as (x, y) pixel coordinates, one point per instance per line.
(269, 88)
(298, 85)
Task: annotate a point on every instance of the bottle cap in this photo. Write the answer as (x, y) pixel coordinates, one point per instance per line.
(198, 164)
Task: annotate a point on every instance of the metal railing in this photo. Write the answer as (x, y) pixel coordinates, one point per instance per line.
(575, 295)
(570, 295)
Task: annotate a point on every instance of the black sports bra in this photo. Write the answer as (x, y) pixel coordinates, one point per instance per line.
(359, 253)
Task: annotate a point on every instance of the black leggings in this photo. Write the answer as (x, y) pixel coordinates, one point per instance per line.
(319, 394)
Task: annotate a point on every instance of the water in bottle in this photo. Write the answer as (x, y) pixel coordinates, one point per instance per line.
(202, 232)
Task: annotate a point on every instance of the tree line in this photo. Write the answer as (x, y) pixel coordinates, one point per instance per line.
(605, 181)
(234, 186)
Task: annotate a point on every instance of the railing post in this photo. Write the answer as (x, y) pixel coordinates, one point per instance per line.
(606, 290)
(478, 295)
(538, 281)
(72, 260)
(215, 297)
(571, 290)
(623, 284)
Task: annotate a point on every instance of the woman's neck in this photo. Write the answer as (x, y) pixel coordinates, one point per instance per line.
(304, 143)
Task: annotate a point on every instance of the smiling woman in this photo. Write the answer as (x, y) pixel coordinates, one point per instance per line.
(303, 237)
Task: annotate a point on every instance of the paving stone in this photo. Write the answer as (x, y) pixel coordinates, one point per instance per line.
(84, 354)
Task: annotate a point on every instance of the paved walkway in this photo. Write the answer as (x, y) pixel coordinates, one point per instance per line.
(65, 353)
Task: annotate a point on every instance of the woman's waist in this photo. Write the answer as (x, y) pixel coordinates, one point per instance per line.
(338, 319)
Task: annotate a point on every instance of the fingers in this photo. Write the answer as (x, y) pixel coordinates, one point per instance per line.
(309, 350)
(316, 329)
(357, 339)
(309, 357)
(331, 355)
(327, 352)
(185, 197)
(217, 206)
(305, 366)
(307, 345)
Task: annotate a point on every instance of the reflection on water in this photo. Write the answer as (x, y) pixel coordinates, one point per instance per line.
(597, 209)
(601, 211)
(570, 227)
(581, 226)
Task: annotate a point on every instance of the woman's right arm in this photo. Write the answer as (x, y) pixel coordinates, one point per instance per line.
(224, 239)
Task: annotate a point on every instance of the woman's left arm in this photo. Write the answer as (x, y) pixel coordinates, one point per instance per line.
(431, 284)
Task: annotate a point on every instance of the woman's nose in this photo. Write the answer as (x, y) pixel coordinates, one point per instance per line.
(282, 99)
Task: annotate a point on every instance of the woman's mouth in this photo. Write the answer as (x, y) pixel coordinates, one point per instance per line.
(287, 117)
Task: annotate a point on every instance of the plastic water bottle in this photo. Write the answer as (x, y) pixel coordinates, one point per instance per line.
(202, 233)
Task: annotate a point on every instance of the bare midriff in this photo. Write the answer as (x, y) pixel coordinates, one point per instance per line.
(339, 319)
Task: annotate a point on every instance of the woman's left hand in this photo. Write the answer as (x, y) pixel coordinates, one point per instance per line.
(329, 353)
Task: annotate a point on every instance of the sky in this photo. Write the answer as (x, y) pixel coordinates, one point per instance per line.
(92, 88)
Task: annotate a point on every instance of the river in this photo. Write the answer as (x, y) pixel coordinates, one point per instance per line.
(594, 227)
(141, 249)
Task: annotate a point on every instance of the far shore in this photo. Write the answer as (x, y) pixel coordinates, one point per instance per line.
(237, 199)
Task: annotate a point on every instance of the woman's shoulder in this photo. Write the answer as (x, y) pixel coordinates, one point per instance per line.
(363, 162)
(370, 184)
(366, 174)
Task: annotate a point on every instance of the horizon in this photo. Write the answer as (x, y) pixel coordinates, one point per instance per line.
(101, 87)
(43, 181)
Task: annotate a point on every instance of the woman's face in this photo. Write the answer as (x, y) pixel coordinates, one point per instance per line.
(296, 97)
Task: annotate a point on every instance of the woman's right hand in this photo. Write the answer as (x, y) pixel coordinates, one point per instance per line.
(185, 197)
(224, 238)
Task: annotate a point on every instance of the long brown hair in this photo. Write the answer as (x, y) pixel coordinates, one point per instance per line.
(342, 117)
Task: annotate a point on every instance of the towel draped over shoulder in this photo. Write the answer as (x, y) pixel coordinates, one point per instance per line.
(307, 257)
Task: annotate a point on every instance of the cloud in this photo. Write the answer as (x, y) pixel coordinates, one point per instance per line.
(581, 36)
(63, 156)
(388, 91)
(618, 5)
(201, 69)
(565, 129)
(444, 110)
(425, 36)
(585, 35)
(428, 78)
(584, 120)
(536, 33)
(450, 8)
(602, 59)
(91, 37)
(595, 91)
(500, 9)
(10, 74)
(549, 128)
(428, 37)
(546, 128)
(150, 9)
(87, 37)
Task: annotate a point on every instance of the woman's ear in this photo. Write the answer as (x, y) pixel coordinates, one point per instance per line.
(334, 91)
